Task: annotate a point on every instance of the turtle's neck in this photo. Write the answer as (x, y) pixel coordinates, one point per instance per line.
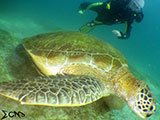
(123, 83)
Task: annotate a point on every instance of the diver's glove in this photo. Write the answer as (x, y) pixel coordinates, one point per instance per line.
(83, 7)
(119, 34)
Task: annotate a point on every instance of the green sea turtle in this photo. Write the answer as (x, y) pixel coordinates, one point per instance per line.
(78, 69)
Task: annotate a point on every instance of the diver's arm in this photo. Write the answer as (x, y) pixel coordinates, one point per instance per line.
(127, 30)
(89, 6)
(138, 17)
(125, 35)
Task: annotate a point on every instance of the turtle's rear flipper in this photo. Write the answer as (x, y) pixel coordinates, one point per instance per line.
(59, 90)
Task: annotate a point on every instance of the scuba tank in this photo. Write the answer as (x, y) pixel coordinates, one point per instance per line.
(136, 5)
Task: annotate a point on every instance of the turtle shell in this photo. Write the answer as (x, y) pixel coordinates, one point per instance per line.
(55, 53)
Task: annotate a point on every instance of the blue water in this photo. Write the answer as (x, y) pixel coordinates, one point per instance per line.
(142, 49)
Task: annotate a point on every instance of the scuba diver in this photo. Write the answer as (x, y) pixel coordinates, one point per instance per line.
(114, 12)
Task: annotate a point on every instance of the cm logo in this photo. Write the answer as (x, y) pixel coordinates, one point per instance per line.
(12, 114)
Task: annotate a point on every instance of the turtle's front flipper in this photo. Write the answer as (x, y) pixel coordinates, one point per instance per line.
(59, 90)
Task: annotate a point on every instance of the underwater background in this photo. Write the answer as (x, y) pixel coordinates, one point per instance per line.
(24, 18)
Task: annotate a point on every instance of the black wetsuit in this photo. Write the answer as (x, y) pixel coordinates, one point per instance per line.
(118, 13)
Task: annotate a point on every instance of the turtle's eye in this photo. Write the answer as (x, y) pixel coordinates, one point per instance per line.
(145, 103)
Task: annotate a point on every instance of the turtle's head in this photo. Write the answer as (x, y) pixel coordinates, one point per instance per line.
(143, 102)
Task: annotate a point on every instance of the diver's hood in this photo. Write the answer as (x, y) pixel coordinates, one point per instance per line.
(136, 5)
